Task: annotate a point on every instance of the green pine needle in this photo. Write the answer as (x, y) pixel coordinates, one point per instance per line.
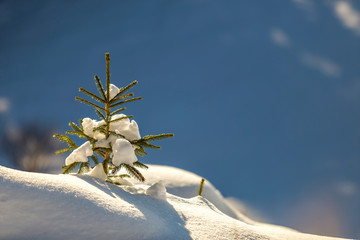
(126, 101)
(140, 151)
(140, 154)
(82, 167)
(123, 90)
(100, 87)
(120, 176)
(64, 150)
(116, 111)
(133, 172)
(99, 128)
(157, 137)
(69, 168)
(65, 139)
(106, 165)
(95, 159)
(90, 103)
(115, 99)
(148, 145)
(201, 186)
(81, 124)
(75, 127)
(79, 134)
(107, 59)
(116, 134)
(100, 114)
(126, 96)
(112, 182)
(92, 95)
(99, 152)
(102, 149)
(140, 165)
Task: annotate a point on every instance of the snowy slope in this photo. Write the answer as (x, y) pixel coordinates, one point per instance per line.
(44, 206)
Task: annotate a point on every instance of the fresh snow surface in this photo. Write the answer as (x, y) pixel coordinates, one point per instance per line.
(80, 154)
(186, 184)
(45, 206)
(157, 190)
(123, 152)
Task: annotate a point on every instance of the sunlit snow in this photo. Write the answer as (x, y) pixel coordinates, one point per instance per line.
(129, 130)
(97, 172)
(114, 90)
(80, 154)
(123, 152)
(46, 206)
(89, 124)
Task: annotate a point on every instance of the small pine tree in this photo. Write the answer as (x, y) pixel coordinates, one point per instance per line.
(114, 138)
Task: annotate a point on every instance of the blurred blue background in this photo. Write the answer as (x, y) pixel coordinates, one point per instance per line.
(263, 96)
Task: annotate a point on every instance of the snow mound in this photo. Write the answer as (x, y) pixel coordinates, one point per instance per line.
(45, 206)
(185, 184)
(97, 172)
(157, 190)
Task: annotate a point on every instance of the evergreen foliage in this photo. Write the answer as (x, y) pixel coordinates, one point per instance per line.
(103, 137)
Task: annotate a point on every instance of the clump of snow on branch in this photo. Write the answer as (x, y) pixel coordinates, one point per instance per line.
(89, 125)
(125, 127)
(123, 152)
(129, 130)
(114, 90)
(80, 154)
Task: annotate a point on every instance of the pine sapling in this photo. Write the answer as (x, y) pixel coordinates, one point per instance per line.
(113, 142)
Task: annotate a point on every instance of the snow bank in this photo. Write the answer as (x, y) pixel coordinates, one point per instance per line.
(186, 184)
(45, 206)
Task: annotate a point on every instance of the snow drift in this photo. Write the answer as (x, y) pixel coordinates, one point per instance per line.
(45, 206)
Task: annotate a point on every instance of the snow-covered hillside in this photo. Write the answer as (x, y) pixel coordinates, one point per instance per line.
(45, 206)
